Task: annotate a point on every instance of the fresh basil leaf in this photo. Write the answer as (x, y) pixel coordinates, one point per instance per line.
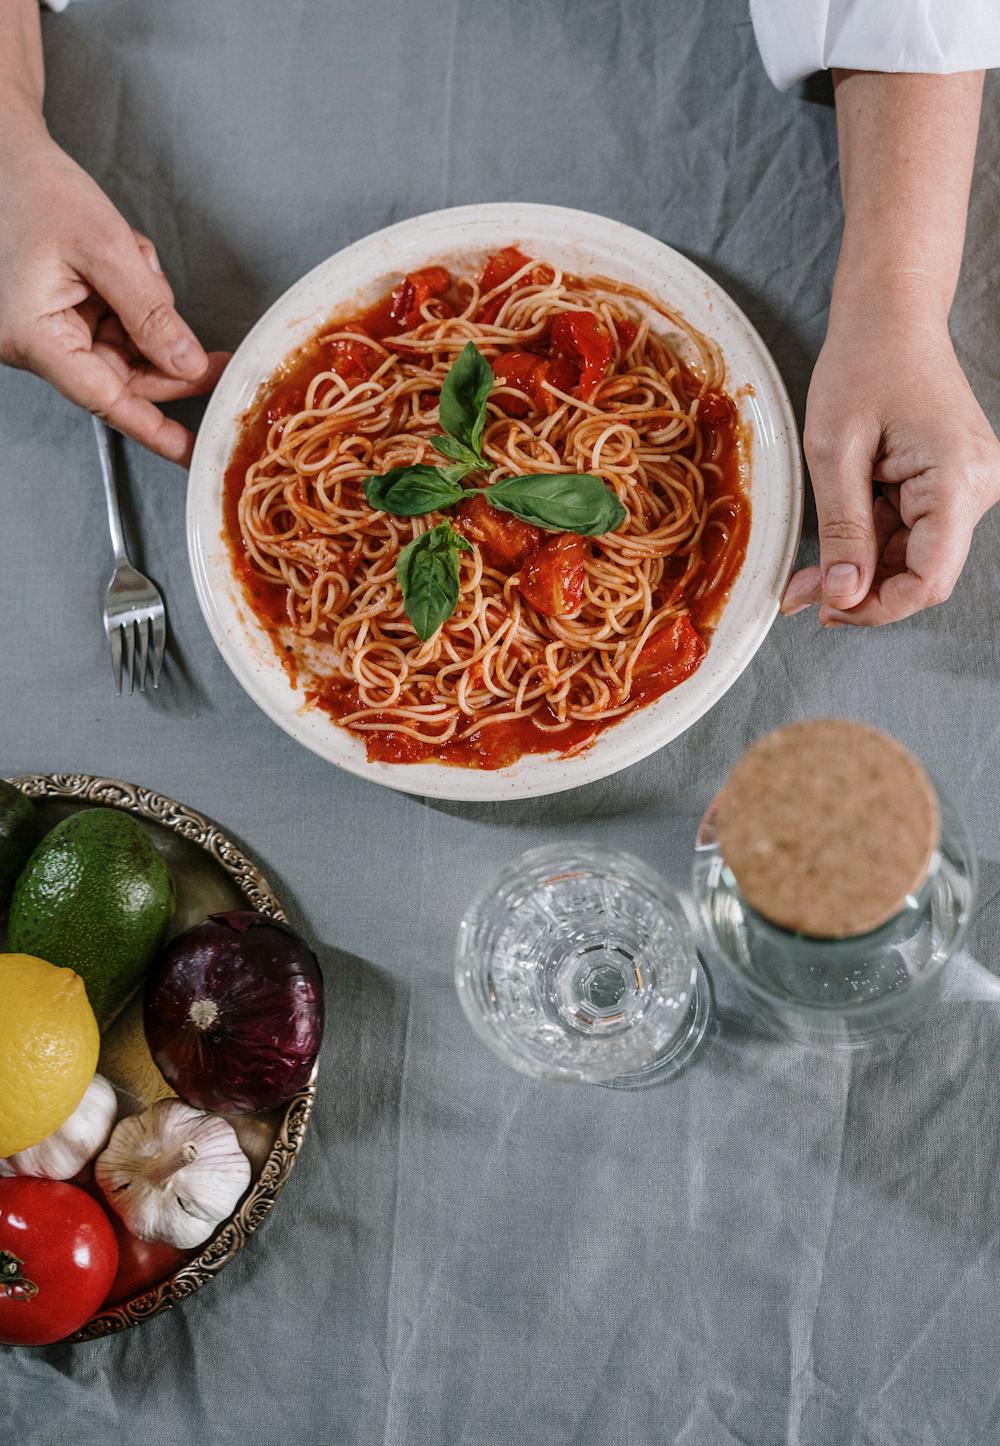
(412, 491)
(427, 569)
(560, 501)
(462, 408)
(458, 452)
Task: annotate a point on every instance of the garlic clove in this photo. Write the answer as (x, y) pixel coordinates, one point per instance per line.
(173, 1173)
(64, 1153)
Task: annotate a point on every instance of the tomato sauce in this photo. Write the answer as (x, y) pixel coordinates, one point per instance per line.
(668, 657)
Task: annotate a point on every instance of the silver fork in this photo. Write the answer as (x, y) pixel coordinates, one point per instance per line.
(132, 604)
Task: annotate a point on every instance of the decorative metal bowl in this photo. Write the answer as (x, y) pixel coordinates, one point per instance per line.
(211, 874)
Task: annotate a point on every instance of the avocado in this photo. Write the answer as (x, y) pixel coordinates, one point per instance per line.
(18, 836)
(95, 896)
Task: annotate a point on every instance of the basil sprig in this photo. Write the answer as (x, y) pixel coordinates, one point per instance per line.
(412, 491)
(427, 569)
(560, 502)
(557, 501)
(462, 408)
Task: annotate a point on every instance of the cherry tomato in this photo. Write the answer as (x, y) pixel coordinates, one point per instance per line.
(284, 402)
(141, 1263)
(552, 578)
(580, 337)
(627, 333)
(58, 1257)
(515, 369)
(527, 372)
(501, 268)
(715, 407)
(670, 655)
(352, 360)
(558, 372)
(414, 291)
(504, 541)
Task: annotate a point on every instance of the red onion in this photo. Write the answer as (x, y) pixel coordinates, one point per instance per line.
(233, 1011)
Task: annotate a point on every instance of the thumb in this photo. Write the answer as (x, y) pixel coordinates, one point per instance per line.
(848, 548)
(144, 303)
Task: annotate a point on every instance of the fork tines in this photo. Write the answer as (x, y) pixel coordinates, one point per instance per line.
(151, 629)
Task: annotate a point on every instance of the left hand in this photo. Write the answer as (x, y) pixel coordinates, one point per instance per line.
(889, 403)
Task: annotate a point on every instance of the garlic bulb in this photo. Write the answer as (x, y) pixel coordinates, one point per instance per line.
(64, 1153)
(173, 1173)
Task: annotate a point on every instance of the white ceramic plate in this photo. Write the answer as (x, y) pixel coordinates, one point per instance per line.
(582, 243)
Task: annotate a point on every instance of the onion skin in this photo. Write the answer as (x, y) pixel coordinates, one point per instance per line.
(233, 1011)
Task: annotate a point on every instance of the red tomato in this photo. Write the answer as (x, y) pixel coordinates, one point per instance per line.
(552, 578)
(284, 402)
(352, 360)
(58, 1256)
(670, 655)
(527, 372)
(501, 268)
(715, 407)
(559, 372)
(503, 540)
(627, 333)
(516, 369)
(141, 1263)
(580, 337)
(413, 291)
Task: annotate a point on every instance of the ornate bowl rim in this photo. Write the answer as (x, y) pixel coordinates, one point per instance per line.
(259, 1200)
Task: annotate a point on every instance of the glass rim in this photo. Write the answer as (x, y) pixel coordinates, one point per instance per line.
(562, 853)
(539, 854)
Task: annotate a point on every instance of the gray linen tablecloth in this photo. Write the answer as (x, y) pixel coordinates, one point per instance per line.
(782, 1247)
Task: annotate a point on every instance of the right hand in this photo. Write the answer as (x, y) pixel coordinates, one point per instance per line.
(84, 302)
(889, 403)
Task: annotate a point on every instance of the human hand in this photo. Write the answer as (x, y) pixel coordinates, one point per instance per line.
(83, 300)
(889, 402)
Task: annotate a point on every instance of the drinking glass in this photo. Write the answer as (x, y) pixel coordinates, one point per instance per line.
(576, 963)
(843, 993)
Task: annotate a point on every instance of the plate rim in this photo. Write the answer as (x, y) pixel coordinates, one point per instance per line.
(565, 773)
(255, 1206)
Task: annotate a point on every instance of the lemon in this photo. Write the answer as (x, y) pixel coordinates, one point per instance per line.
(49, 1043)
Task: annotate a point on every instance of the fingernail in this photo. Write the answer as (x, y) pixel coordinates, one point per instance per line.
(802, 607)
(842, 578)
(154, 262)
(188, 358)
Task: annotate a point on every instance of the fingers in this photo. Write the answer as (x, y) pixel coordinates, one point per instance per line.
(936, 548)
(805, 588)
(893, 536)
(155, 387)
(842, 483)
(146, 381)
(121, 269)
(149, 255)
(62, 355)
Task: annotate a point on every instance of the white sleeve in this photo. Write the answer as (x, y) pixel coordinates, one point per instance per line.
(797, 37)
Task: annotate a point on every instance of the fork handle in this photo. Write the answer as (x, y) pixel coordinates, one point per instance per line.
(105, 450)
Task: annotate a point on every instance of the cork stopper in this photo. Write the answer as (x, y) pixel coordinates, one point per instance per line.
(827, 826)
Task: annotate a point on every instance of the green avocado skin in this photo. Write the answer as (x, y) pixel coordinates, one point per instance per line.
(95, 896)
(18, 835)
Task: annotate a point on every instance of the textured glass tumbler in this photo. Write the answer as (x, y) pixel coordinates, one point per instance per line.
(842, 993)
(576, 963)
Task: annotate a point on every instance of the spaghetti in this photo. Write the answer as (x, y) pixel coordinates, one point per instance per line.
(554, 636)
